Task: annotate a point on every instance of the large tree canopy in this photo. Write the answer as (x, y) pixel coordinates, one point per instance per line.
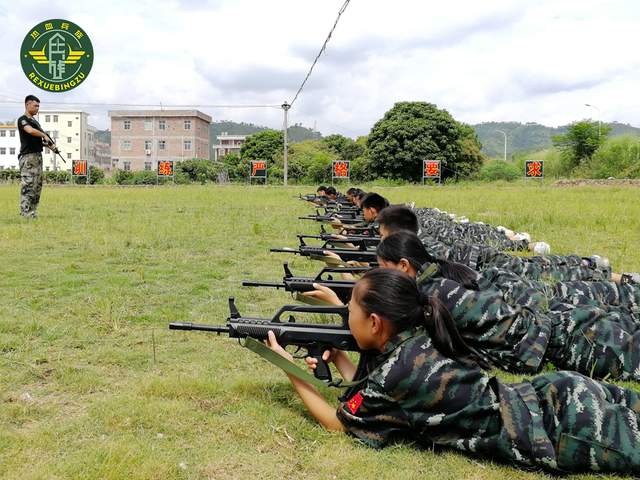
(581, 141)
(262, 145)
(415, 131)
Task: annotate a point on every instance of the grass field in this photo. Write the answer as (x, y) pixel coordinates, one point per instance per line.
(94, 385)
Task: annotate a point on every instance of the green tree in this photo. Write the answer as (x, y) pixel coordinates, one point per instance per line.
(262, 145)
(415, 131)
(580, 142)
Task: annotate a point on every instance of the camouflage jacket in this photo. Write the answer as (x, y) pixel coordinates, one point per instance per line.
(412, 392)
(513, 337)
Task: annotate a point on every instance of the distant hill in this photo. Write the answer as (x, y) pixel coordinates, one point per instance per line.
(529, 136)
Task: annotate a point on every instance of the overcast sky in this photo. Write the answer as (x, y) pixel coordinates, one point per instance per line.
(528, 61)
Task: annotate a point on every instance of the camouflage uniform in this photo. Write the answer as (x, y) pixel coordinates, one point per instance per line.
(517, 337)
(560, 421)
(30, 183)
(551, 267)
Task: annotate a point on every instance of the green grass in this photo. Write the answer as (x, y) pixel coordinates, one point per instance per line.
(94, 385)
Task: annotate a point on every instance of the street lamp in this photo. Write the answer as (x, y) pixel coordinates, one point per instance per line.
(505, 144)
(599, 117)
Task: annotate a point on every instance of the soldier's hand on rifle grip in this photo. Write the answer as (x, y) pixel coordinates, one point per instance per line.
(328, 356)
(324, 294)
(273, 344)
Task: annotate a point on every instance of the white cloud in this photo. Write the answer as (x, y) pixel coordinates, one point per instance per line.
(482, 61)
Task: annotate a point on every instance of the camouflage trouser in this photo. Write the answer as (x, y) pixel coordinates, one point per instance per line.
(593, 425)
(30, 183)
(594, 293)
(595, 342)
(550, 268)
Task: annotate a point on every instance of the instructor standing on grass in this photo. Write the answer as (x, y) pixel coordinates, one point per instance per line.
(32, 137)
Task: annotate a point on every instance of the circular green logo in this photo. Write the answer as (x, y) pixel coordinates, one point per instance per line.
(56, 55)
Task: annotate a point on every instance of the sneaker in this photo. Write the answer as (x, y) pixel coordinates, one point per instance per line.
(522, 236)
(631, 277)
(542, 248)
(501, 229)
(518, 237)
(599, 262)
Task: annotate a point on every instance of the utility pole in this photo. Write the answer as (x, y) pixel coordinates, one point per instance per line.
(285, 127)
(505, 144)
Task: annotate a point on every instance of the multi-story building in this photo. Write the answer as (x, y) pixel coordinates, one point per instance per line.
(141, 138)
(9, 146)
(103, 155)
(73, 135)
(227, 144)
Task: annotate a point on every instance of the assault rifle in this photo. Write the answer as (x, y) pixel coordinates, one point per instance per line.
(294, 284)
(345, 254)
(366, 231)
(48, 142)
(314, 338)
(355, 240)
(332, 218)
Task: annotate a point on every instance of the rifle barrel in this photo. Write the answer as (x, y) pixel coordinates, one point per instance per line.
(198, 326)
(248, 283)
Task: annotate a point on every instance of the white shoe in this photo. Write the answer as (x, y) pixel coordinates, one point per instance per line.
(500, 228)
(523, 236)
(509, 233)
(542, 248)
(600, 262)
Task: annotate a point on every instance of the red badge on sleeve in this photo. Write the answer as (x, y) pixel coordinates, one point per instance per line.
(355, 402)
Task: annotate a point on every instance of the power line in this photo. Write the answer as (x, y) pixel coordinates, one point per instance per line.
(324, 46)
(160, 104)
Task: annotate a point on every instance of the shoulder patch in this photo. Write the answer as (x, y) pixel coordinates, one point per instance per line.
(354, 403)
(23, 122)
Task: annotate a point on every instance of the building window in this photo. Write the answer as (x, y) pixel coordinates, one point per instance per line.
(187, 144)
(47, 118)
(126, 166)
(148, 124)
(68, 156)
(162, 124)
(3, 151)
(162, 144)
(47, 168)
(127, 124)
(68, 139)
(126, 145)
(12, 133)
(147, 144)
(69, 123)
(147, 165)
(12, 151)
(55, 119)
(114, 162)
(3, 133)
(187, 124)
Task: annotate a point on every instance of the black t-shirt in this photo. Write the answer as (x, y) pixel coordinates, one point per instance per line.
(29, 143)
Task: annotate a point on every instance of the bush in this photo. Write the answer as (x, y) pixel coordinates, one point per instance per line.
(199, 170)
(9, 175)
(499, 170)
(619, 157)
(58, 176)
(96, 176)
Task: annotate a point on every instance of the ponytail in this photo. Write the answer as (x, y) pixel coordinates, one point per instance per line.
(407, 245)
(394, 296)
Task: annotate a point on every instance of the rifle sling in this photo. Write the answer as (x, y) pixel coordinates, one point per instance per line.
(290, 367)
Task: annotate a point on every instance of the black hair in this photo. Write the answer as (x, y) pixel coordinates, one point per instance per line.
(375, 201)
(321, 188)
(407, 245)
(331, 191)
(398, 217)
(30, 98)
(352, 191)
(395, 297)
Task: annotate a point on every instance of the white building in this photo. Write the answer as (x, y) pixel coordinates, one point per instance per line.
(227, 144)
(73, 135)
(9, 146)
